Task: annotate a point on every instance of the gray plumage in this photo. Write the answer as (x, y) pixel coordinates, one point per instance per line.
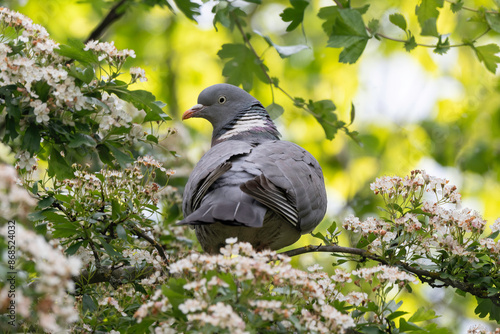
(250, 184)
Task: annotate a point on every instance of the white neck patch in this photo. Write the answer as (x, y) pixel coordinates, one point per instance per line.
(245, 123)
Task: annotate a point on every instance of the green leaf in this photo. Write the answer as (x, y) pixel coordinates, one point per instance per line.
(332, 228)
(152, 138)
(42, 89)
(405, 326)
(295, 14)
(493, 20)
(442, 47)
(321, 237)
(363, 242)
(139, 288)
(423, 314)
(353, 114)
(395, 315)
(88, 304)
(226, 13)
(109, 248)
(57, 219)
(34, 188)
(63, 228)
(398, 20)
(75, 50)
(73, 248)
(105, 154)
(283, 51)
(142, 99)
(485, 307)
(348, 32)
(374, 26)
(494, 235)
(142, 327)
(81, 139)
(427, 14)
(124, 159)
(174, 291)
(46, 202)
(330, 15)
(275, 110)
(121, 232)
(323, 111)
(188, 8)
(487, 55)
(115, 209)
(86, 74)
(58, 165)
(410, 43)
(241, 57)
(31, 139)
(456, 6)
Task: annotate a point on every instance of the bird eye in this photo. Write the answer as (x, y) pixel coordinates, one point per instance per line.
(222, 99)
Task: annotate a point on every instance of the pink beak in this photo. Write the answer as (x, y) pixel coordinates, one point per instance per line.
(192, 112)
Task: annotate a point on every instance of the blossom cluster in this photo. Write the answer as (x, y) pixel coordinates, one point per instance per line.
(52, 306)
(134, 184)
(139, 256)
(39, 62)
(307, 299)
(46, 89)
(480, 329)
(411, 186)
(422, 226)
(15, 201)
(124, 198)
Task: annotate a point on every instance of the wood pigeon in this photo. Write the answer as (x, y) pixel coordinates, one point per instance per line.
(250, 184)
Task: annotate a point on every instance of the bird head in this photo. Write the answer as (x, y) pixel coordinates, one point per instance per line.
(220, 103)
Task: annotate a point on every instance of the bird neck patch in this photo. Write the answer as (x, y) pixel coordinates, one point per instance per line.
(253, 121)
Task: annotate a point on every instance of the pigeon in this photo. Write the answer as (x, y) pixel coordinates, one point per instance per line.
(249, 185)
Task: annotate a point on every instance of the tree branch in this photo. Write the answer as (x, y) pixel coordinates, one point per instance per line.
(425, 276)
(114, 14)
(109, 274)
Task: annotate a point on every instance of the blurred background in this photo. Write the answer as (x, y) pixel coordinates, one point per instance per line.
(415, 110)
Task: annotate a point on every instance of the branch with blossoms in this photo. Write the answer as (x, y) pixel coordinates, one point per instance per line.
(427, 234)
(429, 277)
(100, 214)
(62, 103)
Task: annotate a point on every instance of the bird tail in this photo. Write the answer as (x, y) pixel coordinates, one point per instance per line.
(230, 213)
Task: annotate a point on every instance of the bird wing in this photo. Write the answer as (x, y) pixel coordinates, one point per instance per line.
(211, 166)
(291, 183)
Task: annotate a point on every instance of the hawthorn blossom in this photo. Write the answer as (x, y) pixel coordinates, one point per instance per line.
(220, 315)
(113, 302)
(108, 51)
(384, 273)
(138, 73)
(495, 226)
(41, 111)
(192, 305)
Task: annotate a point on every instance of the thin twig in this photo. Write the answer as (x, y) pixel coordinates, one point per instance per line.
(137, 231)
(425, 276)
(271, 81)
(470, 9)
(338, 3)
(377, 34)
